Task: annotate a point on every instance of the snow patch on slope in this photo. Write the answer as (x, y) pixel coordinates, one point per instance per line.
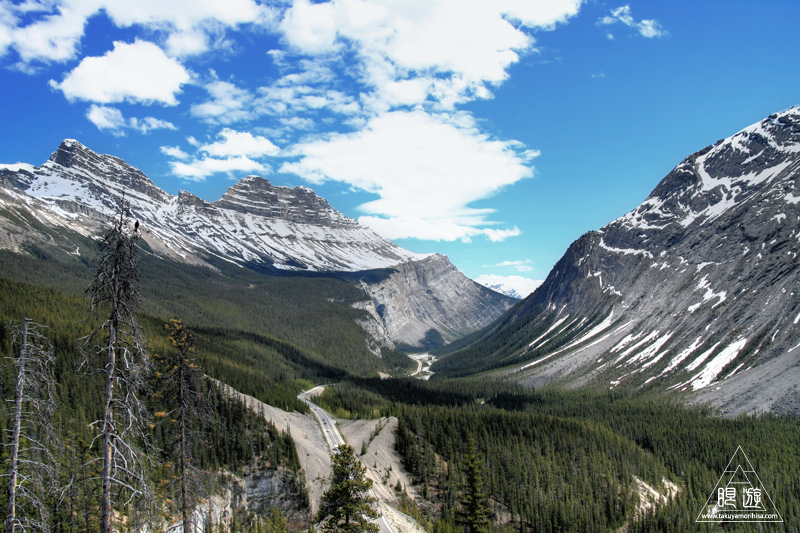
(707, 375)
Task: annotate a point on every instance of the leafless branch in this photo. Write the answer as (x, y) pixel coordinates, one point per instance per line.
(116, 349)
(31, 465)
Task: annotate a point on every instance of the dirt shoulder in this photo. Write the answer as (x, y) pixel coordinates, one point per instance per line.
(312, 449)
(383, 463)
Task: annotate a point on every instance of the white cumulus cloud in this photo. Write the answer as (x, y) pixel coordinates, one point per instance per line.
(241, 143)
(147, 124)
(52, 38)
(414, 49)
(51, 31)
(228, 104)
(137, 72)
(200, 169)
(106, 118)
(111, 119)
(174, 152)
(234, 151)
(426, 170)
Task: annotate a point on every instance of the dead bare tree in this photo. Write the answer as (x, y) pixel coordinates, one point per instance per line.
(31, 464)
(120, 343)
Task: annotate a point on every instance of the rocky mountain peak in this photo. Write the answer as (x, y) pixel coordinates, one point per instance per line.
(185, 198)
(256, 195)
(105, 174)
(733, 171)
(257, 225)
(66, 152)
(697, 290)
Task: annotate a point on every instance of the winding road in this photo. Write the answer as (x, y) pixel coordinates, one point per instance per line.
(335, 439)
(426, 360)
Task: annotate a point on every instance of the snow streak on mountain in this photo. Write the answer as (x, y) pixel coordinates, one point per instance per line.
(695, 291)
(289, 229)
(255, 225)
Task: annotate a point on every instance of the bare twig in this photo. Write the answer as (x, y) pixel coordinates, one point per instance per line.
(31, 465)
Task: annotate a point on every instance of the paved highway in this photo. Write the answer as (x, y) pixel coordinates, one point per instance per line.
(335, 439)
(418, 359)
(425, 359)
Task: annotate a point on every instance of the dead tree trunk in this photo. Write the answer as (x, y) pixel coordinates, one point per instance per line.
(124, 364)
(108, 433)
(187, 525)
(31, 466)
(11, 513)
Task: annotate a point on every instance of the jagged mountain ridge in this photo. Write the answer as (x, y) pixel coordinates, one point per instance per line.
(502, 289)
(253, 221)
(255, 224)
(695, 291)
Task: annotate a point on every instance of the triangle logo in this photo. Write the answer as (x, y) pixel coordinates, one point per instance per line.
(739, 495)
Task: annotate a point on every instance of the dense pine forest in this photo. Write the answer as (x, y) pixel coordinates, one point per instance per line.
(265, 335)
(572, 460)
(231, 438)
(167, 438)
(485, 455)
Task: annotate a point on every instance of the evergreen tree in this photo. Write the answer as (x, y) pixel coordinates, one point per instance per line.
(275, 522)
(179, 385)
(474, 513)
(346, 506)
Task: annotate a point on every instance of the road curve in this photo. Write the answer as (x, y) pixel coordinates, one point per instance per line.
(335, 439)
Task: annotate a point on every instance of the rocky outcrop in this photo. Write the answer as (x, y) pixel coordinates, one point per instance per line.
(432, 294)
(697, 290)
(265, 489)
(255, 195)
(259, 492)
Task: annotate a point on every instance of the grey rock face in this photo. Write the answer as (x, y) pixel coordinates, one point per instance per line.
(255, 224)
(697, 290)
(255, 195)
(432, 294)
(268, 489)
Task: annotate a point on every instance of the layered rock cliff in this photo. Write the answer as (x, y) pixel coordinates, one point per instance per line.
(431, 294)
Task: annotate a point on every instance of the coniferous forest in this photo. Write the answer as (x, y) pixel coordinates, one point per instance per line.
(485, 455)
(572, 460)
(175, 439)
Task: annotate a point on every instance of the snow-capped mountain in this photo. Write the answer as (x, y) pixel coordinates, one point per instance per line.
(287, 229)
(502, 289)
(517, 287)
(697, 290)
(254, 224)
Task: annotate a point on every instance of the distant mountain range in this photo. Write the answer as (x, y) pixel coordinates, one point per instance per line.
(515, 286)
(695, 292)
(503, 289)
(275, 230)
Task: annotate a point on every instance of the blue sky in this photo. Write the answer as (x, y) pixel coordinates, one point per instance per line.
(495, 132)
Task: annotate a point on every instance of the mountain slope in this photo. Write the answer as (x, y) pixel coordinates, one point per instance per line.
(697, 290)
(255, 224)
(278, 227)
